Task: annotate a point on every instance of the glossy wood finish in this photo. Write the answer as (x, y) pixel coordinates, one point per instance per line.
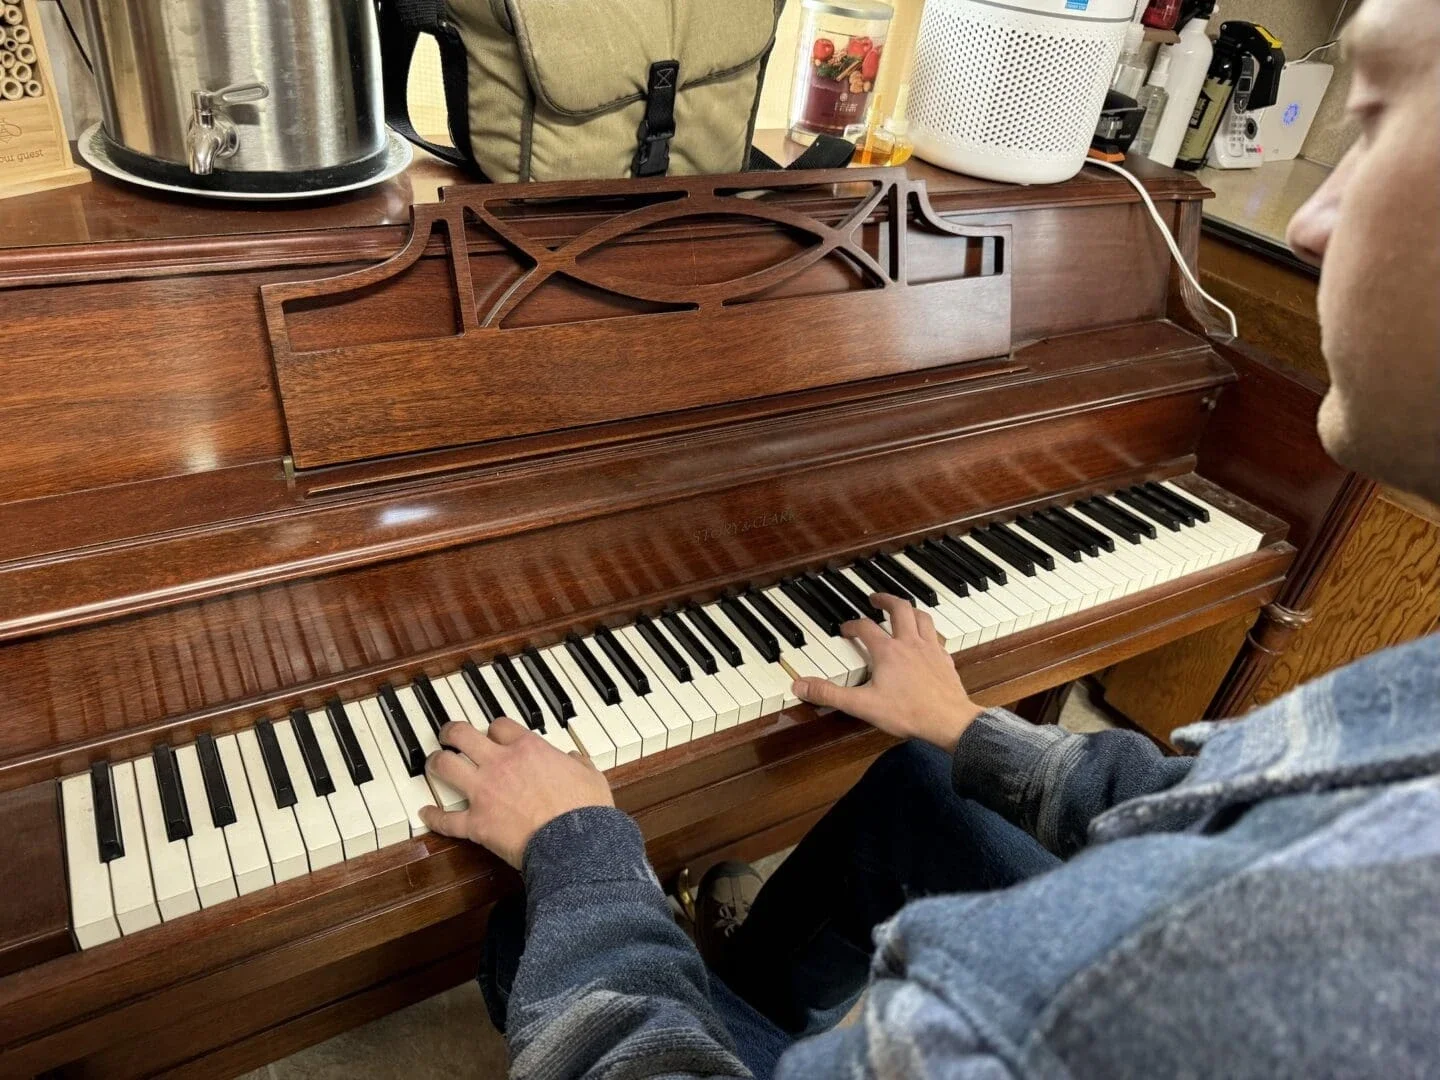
(509, 370)
(181, 576)
(34, 904)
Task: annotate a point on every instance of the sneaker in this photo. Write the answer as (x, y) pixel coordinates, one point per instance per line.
(721, 904)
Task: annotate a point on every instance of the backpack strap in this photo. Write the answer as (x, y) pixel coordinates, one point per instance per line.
(826, 152)
(401, 24)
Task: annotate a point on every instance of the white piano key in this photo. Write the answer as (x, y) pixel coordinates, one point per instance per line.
(347, 805)
(412, 791)
(831, 667)
(846, 665)
(1250, 538)
(244, 839)
(678, 725)
(951, 635)
(209, 858)
(967, 630)
(277, 823)
(387, 811)
(323, 846)
(1130, 559)
(611, 718)
(169, 859)
(453, 704)
(687, 695)
(446, 797)
(1014, 604)
(1158, 569)
(1080, 574)
(654, 735)
(585, 729)
(92, 913)
(466, 698)
(771, 680)
(130, 885)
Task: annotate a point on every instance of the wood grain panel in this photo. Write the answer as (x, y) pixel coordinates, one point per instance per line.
(1172, 686)
(1383, 589)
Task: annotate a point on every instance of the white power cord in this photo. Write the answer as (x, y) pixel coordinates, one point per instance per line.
(1169, 240)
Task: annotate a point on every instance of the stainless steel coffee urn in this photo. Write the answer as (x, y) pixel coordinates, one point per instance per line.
(244, 96)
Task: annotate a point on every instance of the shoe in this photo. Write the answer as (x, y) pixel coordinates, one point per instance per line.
(722, 902)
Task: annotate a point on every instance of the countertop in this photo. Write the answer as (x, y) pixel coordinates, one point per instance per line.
(1253, 206)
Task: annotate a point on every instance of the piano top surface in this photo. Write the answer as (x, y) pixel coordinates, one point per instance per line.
(109, 211)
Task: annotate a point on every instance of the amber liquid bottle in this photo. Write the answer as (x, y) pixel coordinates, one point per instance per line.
(887, 143)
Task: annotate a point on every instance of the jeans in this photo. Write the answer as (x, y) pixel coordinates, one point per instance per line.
(802, 957)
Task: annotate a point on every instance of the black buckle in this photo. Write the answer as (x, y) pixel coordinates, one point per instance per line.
(657, 128)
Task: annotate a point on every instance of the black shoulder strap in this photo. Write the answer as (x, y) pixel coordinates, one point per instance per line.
(401, 24)
(826, 152)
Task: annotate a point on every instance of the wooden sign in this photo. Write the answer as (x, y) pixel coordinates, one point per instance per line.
(34, 149)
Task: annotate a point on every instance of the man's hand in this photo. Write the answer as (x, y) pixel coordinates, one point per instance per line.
(516, 783)
(913, 691)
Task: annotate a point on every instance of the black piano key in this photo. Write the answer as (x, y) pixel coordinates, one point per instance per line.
(661, 647)
(519, 693)
(1178, 503)
(997, 546)
(771, 613)
(902, 576)
(941, 571)
(880, 581)
(813, 609)
(481, 690)
(1096, 512)
(855, 596)
(598, 676)
(1079, 537)
(430, 703)
(633, 674)
(963, 572)
(217, 791)
(310, 753)
(1144, 525)
(172, 794)
(1080, 527)
(399, 725)
(1040, 558)
(108, 838)
(350, 751)
(1048, 534)
(557, 699)
(1143, 507)
(1154, 507)
(760, 638)
(682, 633)
(712, 633)
(964, 550)
(281, 786)
(829, 600)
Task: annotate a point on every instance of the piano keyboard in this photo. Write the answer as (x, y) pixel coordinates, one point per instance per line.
(189, 827)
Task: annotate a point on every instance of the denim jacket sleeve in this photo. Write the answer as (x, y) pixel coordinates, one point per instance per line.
(1051, 782)
(608, 984)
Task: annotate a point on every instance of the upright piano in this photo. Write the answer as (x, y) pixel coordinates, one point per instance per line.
(286, 490)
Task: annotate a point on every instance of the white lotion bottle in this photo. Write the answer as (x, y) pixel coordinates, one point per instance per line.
(1189, 61)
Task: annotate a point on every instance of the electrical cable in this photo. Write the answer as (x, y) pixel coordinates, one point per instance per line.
(1318, 48)
(74, 36)
(1169, 239)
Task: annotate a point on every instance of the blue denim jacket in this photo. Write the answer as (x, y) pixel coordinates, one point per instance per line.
(1269, 908)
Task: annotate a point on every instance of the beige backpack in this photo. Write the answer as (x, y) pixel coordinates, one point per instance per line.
(577, 89)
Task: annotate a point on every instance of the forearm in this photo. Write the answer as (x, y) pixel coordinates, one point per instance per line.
(608, 984)
(1052, 782)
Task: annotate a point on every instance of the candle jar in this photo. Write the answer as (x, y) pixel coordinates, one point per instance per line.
(842, 43)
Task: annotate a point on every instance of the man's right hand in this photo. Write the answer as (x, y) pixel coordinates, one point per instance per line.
(913, 692)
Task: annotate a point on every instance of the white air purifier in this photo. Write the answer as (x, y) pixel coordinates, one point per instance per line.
(1012, 91)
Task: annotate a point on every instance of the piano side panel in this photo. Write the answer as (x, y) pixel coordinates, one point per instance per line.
(106, 688)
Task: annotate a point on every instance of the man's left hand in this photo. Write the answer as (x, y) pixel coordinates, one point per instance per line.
(516, 783)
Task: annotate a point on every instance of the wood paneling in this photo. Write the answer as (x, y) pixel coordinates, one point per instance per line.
(1172, 686)
(1383, 589)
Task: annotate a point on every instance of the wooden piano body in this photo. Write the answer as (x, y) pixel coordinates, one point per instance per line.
(238, 481)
